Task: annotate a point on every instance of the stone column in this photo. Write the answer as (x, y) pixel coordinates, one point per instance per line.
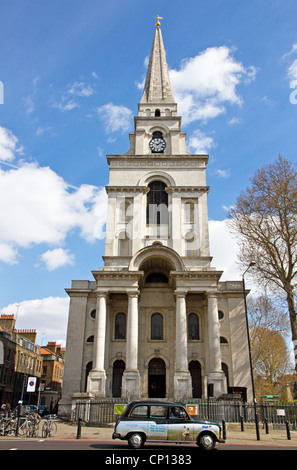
(216, 375)
(182, 376)
(99, 336)
(131, 377)
(181, 333)
(132, 332)
(97, 376)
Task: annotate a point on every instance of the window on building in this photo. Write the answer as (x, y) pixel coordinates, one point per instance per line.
(223, 340)
(157, 326)
(120, 326)
(157, 204)
(193, 327)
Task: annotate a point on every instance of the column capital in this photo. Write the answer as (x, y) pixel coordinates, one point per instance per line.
(180, 293)
(100, 293)
(212, 295)
(134, 293)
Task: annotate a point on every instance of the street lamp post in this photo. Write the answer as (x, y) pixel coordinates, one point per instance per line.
(250, 352)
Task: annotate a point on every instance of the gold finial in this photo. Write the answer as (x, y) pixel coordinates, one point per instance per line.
(158, 24)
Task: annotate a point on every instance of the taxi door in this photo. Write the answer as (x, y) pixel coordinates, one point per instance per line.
(157, 426)
(180, 426)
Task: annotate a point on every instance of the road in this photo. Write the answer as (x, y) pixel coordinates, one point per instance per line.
(154, 453)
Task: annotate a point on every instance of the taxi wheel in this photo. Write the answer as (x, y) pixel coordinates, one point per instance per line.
(136, 440)
(206, 442)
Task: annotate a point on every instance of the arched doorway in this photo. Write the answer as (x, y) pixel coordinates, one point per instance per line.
(89, 367)
(156, 378)
(195, 371)
(117, 375)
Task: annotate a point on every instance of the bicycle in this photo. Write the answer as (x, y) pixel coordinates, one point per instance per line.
(8, 426)
(32, 428)
(49, 427)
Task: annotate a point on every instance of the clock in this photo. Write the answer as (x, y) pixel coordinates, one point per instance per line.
(157, 144)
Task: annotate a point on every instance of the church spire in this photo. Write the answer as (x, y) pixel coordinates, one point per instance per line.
(157, 88)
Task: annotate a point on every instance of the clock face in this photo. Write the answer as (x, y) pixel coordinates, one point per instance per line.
(157, 144)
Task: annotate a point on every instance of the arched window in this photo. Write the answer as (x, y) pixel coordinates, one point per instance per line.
(93, 314)
(157, 113)
(90, 339)
(157, 278)
(157, 204)
(223, 340)
(157, 327)
(120, 326)
(193, 327)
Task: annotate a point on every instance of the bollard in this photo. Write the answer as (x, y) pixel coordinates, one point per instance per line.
(224, 429)
(241, 424)
(288, 430)
(266, 425)
(78, 435)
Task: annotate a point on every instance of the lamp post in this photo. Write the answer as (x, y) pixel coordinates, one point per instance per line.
(250, 353)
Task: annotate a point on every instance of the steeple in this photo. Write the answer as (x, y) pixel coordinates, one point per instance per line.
(157, 88)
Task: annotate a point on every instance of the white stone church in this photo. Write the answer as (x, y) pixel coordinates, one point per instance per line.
(156, 321)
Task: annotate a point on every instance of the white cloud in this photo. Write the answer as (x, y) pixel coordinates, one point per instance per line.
(223, 173)
(56, 258)
(80, 89)
(200, 143)
(292, 69)
(116, 118)
(66, 105)
(37, 206)
(8, 145)
(223, 259)
(204, 83)
(48, 316)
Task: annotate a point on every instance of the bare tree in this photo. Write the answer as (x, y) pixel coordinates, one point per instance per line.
(265, 221)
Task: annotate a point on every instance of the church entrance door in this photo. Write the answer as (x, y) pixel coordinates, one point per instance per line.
(156, 378)
(117, 374)
(195, 371)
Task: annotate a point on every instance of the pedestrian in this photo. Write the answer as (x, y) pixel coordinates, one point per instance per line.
(8, 408)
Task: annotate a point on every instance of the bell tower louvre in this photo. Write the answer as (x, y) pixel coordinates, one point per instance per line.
(156, 321)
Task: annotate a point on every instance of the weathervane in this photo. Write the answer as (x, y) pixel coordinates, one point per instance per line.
(158, 24)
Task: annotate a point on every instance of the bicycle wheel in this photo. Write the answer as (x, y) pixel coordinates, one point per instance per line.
(44, 430)
(53, 429)
(29, 430)
(23, 426)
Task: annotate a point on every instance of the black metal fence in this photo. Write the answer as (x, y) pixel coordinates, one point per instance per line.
(104, 411)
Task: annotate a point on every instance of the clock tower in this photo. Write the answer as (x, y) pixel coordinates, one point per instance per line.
(156, 321)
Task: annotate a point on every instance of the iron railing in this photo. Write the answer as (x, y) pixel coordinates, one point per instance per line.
(102, 411)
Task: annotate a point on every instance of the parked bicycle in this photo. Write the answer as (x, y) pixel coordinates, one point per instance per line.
(32, 428)
(8, 426)
(49, 427)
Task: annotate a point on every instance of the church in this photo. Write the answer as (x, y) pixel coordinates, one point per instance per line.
(156, 321)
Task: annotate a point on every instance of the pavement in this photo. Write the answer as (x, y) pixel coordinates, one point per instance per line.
(67, 430)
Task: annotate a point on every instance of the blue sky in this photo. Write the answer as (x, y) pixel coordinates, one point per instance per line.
(72, 73)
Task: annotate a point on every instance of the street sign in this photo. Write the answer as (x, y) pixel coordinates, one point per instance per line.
(31, 384)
